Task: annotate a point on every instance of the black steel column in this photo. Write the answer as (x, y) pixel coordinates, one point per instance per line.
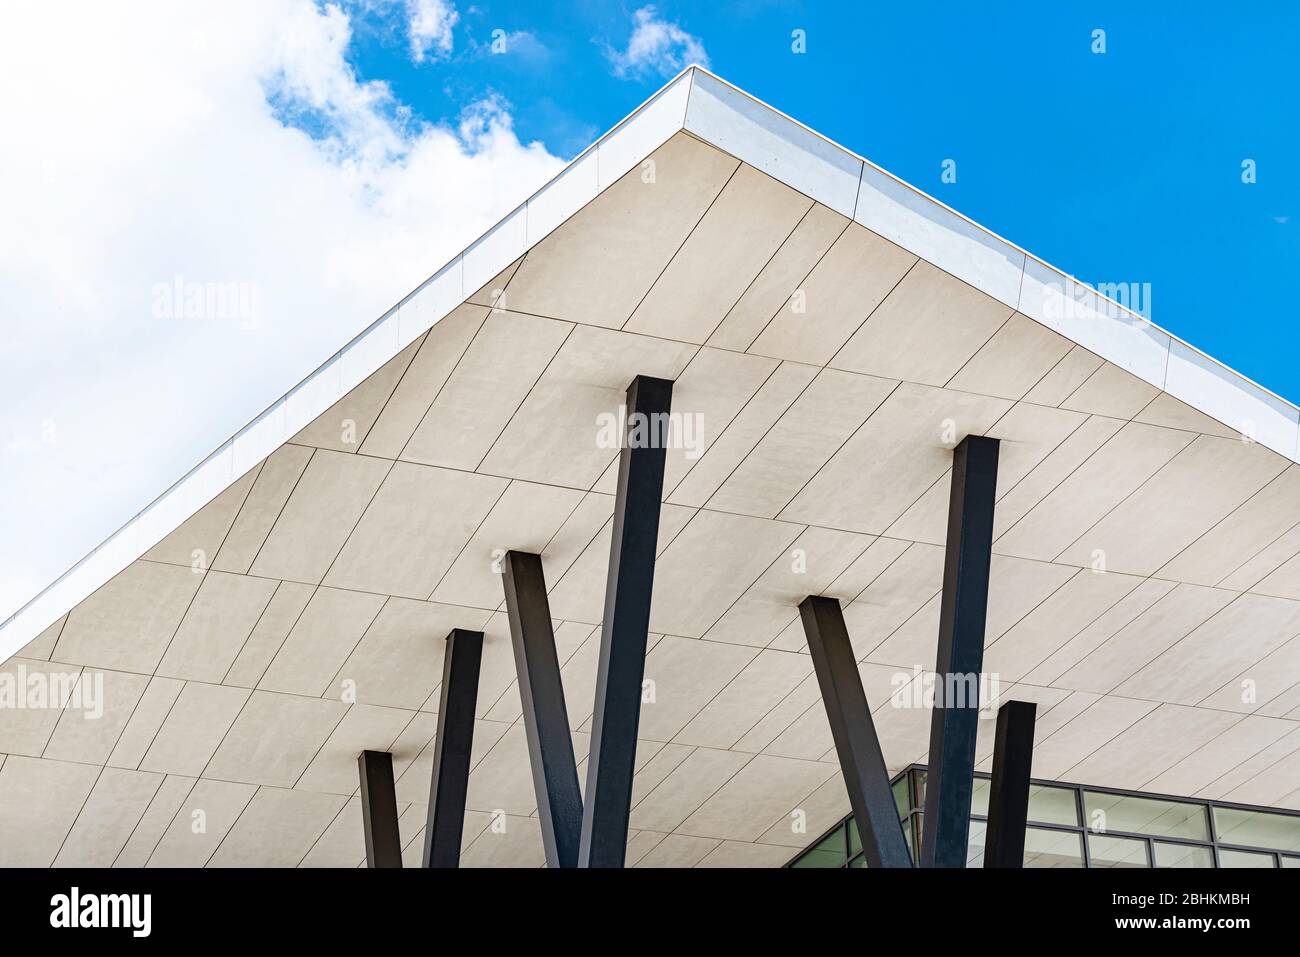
(626, 624)
(1013, 753)
(861, 760)
(953, 724)
(452, 746)
(379, 809)
(546, 720)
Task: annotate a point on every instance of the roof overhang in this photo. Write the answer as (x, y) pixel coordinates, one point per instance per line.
(718, 113)
(834, 332)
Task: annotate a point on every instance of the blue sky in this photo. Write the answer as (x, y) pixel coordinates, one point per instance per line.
(327, 157)
(1122, 166)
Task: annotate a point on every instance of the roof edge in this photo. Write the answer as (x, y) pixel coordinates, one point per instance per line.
(624, 145)
(764, 137)
(710, 108)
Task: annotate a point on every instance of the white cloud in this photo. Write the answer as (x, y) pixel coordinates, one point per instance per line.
(657, 45)
(429, 27)
(153, 146)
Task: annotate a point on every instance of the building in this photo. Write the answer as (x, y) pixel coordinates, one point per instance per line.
(831, 335)
(1074, 826)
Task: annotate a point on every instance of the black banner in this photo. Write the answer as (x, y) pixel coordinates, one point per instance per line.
(332, 907)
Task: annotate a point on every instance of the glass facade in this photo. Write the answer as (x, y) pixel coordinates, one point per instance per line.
(1075, 826)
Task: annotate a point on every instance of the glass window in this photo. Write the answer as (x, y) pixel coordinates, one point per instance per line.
(1107, 851)
(1049, 805)
(975, 845)
(1120, 830)
(901, 797)
(1046, 848)
(1108, 813)
(1183, 855)
(828, 852)
(1257, 828)
(1229, 858)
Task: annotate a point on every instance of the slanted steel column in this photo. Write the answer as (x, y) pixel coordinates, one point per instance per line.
(1013, 753)
(626, 624)
(953, 725)
(451, 750)
(546, 720)
(861, 760)
(379, 809)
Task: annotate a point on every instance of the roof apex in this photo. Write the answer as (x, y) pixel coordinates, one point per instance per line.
(724, 116)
